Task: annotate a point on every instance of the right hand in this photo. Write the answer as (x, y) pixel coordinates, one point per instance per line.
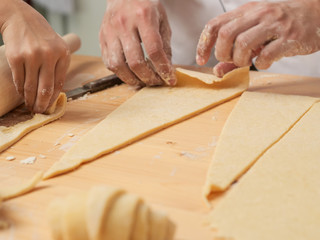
(125, 25)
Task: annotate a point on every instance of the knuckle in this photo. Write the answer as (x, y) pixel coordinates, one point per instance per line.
(144, 11)
(119, 20)
(154, 52)
(32, 55)
(29, 88)
(15, 59)
(114, 64)
(211, 26)
(225, 32)
(136, 65)
(266, 55)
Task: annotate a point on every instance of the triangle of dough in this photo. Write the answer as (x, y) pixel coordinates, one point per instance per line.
(278, 198)
(148, 111)
(254, 125)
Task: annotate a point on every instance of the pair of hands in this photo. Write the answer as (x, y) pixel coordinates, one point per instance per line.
(265, 30)
(37, 56)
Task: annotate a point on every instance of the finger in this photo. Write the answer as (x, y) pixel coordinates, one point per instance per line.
(249, 43)
(116, 63)
(45, 87)
(165, 32)
(209, 35)
(60, 74)
(18, 74)
(31, 83)
(222, 68)
(136, 60)
(270, 53)
(228, 34)
(153, 44)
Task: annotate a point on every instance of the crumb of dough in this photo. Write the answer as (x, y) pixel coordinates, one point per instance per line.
(10, 158)
(29, 160)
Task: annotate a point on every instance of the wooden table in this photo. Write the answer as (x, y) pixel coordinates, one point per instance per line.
(167, 169)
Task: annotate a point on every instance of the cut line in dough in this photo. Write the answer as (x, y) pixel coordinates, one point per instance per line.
(278, 198)
(10, 135)
(254, 125)
(148, 111)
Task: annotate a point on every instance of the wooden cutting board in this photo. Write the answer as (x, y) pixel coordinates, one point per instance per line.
(167, 169)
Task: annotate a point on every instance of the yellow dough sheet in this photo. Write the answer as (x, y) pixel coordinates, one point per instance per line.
(257, 122)
(278, 198)
(148, 111)
(12, 134)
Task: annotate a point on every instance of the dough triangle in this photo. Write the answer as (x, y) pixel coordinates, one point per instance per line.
(148, 111)
(278, 198)
(255, 124)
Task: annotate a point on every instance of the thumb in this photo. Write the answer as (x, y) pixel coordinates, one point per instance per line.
(222, 68)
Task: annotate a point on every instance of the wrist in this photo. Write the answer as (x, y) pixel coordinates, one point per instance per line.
(8, 8)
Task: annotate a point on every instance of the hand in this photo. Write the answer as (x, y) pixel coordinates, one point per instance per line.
(267, 30)
(125, 25)
(37, 56)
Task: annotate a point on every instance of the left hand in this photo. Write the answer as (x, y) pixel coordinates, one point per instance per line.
(266, 30)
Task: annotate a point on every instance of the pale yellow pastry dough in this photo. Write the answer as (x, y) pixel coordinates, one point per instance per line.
(142, 224)
(9, 192)
(204, 77)
(10, 135)
(278, 198)
(161, 227)
(123, 213)
(107, 213)
(148, 111)
(257, 121)
(99, 203)
(74, 218)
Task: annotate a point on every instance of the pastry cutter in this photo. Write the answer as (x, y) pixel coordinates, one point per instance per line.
(94, 86)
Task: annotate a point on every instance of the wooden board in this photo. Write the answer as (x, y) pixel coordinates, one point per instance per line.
(167, 169)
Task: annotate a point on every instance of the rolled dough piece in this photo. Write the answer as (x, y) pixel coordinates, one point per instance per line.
(55, 216)
(20, 189)
(107, 213)
(142, 224)
(257, 122)
(278, 198)
(148, 111)
(74, 218)
(160, 227)
(124, 213)
(99, 203)
(10, 135)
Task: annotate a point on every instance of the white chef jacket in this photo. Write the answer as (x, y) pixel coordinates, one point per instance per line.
(187, 19)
